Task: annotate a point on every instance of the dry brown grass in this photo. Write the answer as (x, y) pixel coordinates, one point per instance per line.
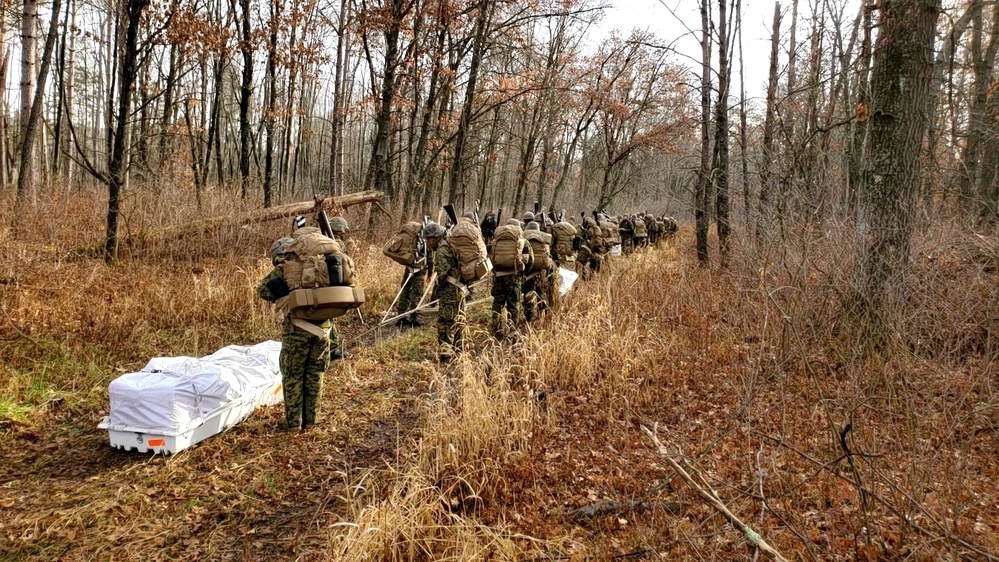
(753, 376)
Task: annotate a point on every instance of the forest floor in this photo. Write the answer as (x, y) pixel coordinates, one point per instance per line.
(529, 448)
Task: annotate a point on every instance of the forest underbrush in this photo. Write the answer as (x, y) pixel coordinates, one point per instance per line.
(527, 448)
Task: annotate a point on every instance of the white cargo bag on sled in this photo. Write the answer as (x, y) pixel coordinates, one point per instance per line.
(175, 402)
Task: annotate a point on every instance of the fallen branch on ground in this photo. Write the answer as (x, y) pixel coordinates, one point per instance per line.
(149, 237)
(752, 537)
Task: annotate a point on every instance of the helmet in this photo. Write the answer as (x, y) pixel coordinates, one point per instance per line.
(469, 215)
(279, 248)
(338, 224)
(512, 222)
(433, 230)
(528, 216)
(533, 225)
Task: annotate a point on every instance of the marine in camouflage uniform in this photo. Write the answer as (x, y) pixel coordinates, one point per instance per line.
(450, 297)
(507, 293)
(304, 357)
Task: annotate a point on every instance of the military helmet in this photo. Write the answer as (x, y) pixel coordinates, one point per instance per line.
(338, 224)
(528, 216)
(433, 230)
(533, 225)
(512, 222)
(279, 248)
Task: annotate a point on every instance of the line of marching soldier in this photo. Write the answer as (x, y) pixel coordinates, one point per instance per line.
(525, 256)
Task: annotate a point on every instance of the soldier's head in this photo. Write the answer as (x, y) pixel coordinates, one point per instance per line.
(469, 215)
(433, 233)
(339, 227)
(279, 248)
(512, 222)
(528, 217)
(533, 225)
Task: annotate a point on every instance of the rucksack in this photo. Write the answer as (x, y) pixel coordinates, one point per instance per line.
(466, 241)
(489, 225)
(564, 233)
(314, 260)
(641, 230)
(404, 245)
(319, 278)
(508, 248)
(541, 246)
(610, 233)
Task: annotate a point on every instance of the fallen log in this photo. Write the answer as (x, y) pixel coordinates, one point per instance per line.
(611, 507)
(144, 238)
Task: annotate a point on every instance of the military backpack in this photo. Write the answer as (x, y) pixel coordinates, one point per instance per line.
(466, 241)
(508, 248)
(541, 246)
(403, 247)
(564, 232)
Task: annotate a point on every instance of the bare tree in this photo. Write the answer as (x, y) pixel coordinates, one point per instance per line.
(900, 81)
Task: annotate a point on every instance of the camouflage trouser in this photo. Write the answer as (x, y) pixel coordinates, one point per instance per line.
(506, 295)
(532, 295)
(627, 244)
(583, 264)
(450, 319)
(551, 289)
(411, 292)
(303, 361)
(538, 294)
(642, 242)
(596, 259)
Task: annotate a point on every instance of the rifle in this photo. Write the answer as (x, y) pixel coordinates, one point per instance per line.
(452, 217)
(537, 208)
(561, 215)
(499, 215)
(324, 224)
(476, 212)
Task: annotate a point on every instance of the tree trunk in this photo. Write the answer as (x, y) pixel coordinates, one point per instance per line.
(482, 23)
(704, 173)
(721, 137)
(245, 93)
(270, 95)
(29, 47)
(24, 180)
(168, 95)
(379, 168)
(900, 83)
(119, 152)
(336, 156)
(764, 225)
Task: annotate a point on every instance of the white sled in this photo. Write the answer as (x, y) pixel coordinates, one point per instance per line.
(175, 402)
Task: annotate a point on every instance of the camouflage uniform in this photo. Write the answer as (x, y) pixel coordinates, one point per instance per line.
(304, 360)
(451, 302)
(506, 294)
(535, 291)
(412, 291)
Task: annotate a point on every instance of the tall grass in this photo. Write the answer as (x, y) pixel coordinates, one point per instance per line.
(830, 447)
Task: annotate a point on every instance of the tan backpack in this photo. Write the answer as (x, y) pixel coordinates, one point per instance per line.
(466, 241)
(402, 247)
(508, 248)
(314, 260)
(541, 245)
(564, 233)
